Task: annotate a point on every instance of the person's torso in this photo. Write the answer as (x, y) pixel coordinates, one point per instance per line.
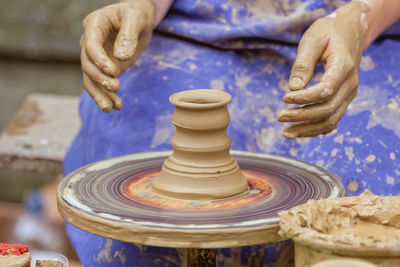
(245, 24)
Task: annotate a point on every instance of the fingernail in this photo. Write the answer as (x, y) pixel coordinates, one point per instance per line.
(289, 135)
(296, 83)
(106, 107)
(126, 49)
(118, 106)
(282, 117)
(121, 54)
(288, 98)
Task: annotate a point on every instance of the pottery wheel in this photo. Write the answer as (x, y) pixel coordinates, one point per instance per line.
(113, 198)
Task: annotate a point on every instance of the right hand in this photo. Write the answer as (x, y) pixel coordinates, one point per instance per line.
(113, 38)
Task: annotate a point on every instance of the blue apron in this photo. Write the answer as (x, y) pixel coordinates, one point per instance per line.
(245, 48)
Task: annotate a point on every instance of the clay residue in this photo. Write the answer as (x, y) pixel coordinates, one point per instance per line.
(348, 262)
(28, 115)
(49, 263)
(15, 260)
(367, 221)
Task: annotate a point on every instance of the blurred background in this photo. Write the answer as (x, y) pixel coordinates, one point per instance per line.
(39, 49)
(40, 83)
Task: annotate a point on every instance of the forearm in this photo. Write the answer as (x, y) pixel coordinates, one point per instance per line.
(381, 14)
(162, 7)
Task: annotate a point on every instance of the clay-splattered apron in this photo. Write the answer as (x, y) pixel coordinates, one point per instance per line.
(245, 48)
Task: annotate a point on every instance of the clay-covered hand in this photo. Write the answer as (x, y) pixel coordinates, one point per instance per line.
(113, 38)
(337, 41)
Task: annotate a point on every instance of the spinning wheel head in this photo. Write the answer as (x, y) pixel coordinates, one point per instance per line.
(110, 198)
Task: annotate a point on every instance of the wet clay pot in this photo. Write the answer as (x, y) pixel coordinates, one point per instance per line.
(200, 166)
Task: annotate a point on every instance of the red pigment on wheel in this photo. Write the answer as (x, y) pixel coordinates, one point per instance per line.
(13, 249)
(140, 190)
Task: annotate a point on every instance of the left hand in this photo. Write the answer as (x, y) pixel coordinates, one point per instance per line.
(337, 41)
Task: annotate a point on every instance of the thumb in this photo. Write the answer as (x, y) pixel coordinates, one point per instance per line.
(132, 23)
(308, 54)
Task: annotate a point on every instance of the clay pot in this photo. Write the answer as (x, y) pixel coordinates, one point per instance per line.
(200, 166)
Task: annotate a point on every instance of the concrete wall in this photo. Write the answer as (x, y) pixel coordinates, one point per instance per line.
(43, 29)
(39, 49)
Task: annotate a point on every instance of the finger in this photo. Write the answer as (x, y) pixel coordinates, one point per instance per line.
(338, 67)
(95, 90)
(106, 82)
(311, 129)
(132, 24)
(81, 43)
(117, 102)
(97, 27)
(99, 96)
(318, 112)
(301, 129)
(308, 53)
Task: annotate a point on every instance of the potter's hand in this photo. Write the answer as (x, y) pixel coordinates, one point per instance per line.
(337, 41)
(113, 39)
